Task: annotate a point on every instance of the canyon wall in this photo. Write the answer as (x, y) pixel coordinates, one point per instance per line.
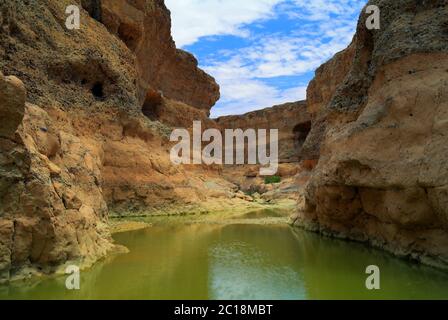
(85, 130)
(382, 175)
(145, 27)
(320, 91)
(86, 116)
(291, 119)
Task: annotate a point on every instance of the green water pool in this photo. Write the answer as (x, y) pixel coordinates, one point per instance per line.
(239, 261)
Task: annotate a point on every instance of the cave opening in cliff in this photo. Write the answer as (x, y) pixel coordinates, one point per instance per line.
(301, 132)
(98, 91)
(153, 104)
(93, 7)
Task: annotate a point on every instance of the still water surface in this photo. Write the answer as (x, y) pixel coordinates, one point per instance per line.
(240, 261)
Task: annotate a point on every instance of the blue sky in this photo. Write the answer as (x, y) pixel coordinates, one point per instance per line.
(262, 52)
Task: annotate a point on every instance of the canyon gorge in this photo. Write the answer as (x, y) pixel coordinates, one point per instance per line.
(86, 117)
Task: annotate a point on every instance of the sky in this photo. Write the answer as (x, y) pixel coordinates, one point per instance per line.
(262, 52)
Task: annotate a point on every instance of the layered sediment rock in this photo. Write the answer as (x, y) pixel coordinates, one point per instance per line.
(382, 175)
(320, 91)
(87, 68)
(145, 27)
(82, 143)
(52, 210)
(291, 119)
(12, 104)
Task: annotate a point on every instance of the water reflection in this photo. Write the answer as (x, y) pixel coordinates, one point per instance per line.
(203, 261)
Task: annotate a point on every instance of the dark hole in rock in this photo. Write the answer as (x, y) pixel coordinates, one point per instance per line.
(93, 7)
(301, 132)
(153, 104)
(97, 90)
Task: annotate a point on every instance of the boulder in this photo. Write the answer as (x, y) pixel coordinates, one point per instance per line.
(12, 105)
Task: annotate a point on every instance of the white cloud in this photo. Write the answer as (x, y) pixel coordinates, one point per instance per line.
(241, 96)
(193, 19)
(316, 31)
(242, 76)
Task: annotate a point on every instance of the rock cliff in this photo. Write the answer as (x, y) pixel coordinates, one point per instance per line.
(52, 210)
(86, 116)
(145, 27)
(85, 134)
(320, 91)
(382, 174)
(291, 119)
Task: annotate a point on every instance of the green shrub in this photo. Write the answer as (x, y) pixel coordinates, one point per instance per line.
(272, 180)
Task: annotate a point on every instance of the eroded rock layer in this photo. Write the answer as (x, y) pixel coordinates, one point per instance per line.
(145, 27)
(52, 209)
(382, 176)
(291, 119)
(320, 91)
(85, 135)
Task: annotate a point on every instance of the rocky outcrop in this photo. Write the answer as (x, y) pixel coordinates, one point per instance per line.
(87, 68)
(320, 91)
(51, 209)
(382, 175)
(174, 113)
(62, 62)
(291, 119)
(12, 104)
(145, 27)
(80, 143)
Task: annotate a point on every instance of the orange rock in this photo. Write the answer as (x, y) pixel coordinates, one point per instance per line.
(291, 119)
(382, 170)
(145, 27)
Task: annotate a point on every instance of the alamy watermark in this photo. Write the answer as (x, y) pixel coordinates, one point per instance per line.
(73, 21)
(373, 281)
(373, 22)
(229, 150)
(73, 280)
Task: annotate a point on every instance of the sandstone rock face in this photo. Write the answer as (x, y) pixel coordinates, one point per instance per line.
(319, 94)
(382, 175)
(175, 114)
(12, 105)
(52, 211)
(87, 68)
(291, 119)
(145, 27)
(80, 143)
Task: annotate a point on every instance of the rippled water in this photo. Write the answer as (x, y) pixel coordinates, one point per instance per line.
(203, 261)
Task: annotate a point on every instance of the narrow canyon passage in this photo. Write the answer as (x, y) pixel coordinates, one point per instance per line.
(92, 177)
